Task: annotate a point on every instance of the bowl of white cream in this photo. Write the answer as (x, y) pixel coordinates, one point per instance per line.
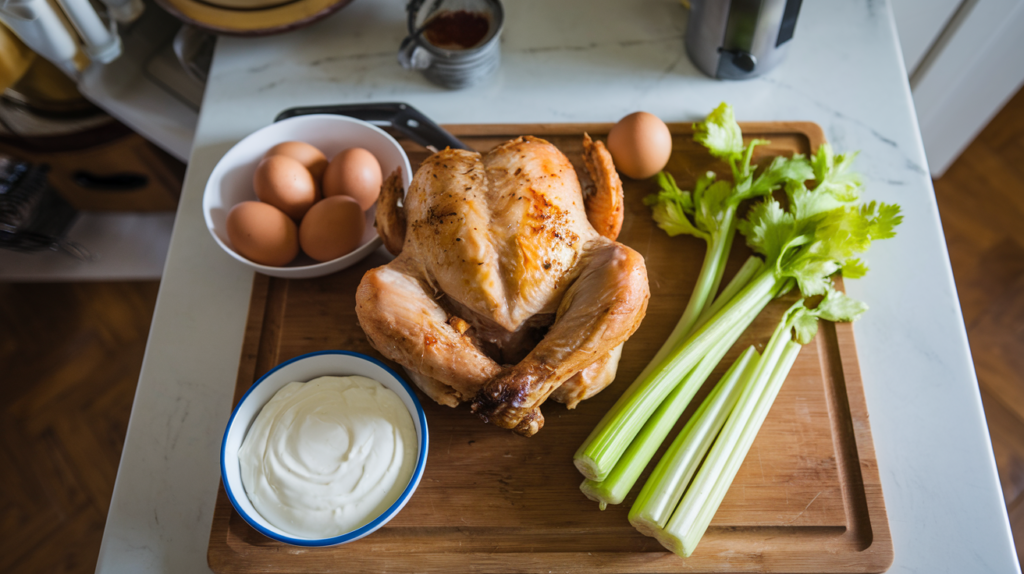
(324, 449)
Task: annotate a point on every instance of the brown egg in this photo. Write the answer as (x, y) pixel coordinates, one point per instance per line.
(332, 228)
(355, 173)
(313, 159)
(640, 145)
(286, 184)
(262, 233)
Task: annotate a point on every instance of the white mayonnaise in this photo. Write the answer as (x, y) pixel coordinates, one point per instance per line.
(328, 456)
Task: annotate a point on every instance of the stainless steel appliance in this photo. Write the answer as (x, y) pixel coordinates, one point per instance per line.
(738, 39)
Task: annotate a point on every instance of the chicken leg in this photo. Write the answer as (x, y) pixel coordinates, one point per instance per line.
(603, 307)
(590, 381)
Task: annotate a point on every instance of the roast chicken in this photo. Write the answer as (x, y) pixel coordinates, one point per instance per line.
(508, 287)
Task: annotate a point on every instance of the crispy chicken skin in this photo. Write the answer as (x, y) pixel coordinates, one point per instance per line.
(502, 291)
(390, 218)
(604, 206)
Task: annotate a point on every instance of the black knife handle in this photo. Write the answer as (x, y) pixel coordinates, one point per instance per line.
(402, 117)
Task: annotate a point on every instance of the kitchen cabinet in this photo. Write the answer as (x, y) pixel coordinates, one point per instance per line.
(920, 23)
(963, 57)
(125, 188)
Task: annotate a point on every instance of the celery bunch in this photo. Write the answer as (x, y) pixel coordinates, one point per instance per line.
(708, 212)
(661, 510)
(821, 230)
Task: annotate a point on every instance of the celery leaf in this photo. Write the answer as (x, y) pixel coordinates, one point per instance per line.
(720, 133)
(769, 229)
(854, 268)
(842, 234)
(782, 170)
(832, 174)
(711, 208)
(805, 324)
(812, 274)
(672, 207)
(883, 224)
(807, 205)
(838, 307)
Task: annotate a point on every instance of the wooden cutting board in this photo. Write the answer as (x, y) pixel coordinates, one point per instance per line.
(807, 498)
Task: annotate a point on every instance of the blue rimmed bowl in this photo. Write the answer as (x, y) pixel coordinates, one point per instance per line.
(305, 368)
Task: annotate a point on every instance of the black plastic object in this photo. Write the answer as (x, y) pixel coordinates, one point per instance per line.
(742, 60)
(118, 182)
(396, 115)
(22, 189)
(788, 24)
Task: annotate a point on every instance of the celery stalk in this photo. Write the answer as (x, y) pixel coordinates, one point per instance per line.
(640, 452)
(668, 481)
(620, 481)
(707, 284)
(680, 528)
(747, 272)
(704, 290)
(689, 522)
(598, 455)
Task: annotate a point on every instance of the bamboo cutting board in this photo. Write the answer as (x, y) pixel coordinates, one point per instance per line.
(807, 498)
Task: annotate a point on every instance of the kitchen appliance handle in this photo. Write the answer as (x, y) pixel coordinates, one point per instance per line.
(116, 182)
(399, 116)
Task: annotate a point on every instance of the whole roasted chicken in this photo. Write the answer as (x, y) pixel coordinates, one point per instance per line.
(508, 287)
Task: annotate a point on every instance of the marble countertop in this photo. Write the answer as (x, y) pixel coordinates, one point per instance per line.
(580, 61)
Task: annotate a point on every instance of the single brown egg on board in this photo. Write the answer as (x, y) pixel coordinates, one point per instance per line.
(286, 184)
(308, 155)
(333, 227)
(262, 233)
(356, 173)
(640, 144)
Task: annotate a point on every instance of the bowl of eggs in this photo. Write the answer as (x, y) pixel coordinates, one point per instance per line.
(297, 199)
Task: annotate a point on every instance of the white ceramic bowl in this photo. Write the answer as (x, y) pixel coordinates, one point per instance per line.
(305, 368)
(231, 181)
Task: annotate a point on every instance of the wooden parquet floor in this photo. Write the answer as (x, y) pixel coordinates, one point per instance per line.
(70, 356)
